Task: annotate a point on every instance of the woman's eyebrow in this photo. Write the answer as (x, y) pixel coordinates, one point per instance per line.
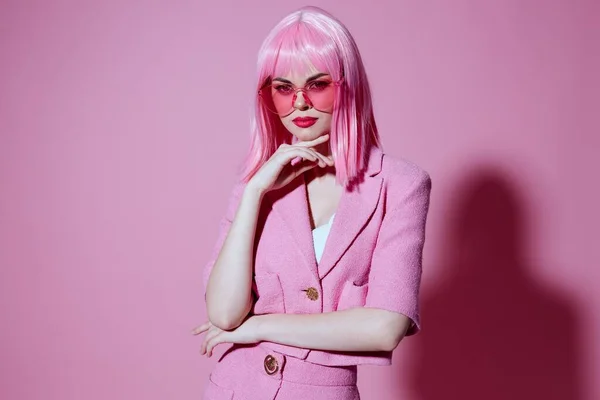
(312, 78)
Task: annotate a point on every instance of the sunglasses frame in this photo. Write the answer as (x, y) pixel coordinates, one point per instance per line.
(268, 83)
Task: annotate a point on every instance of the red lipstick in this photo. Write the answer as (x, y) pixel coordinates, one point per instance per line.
(304, 122)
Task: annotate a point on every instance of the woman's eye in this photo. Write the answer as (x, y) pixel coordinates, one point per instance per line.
(283, 89)
(318, 85)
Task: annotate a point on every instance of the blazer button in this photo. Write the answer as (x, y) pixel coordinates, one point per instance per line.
(312, 293)
(271, 364)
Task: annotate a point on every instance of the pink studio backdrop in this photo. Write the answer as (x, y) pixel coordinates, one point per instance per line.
(121, 127)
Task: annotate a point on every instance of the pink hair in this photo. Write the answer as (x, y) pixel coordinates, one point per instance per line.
(308, 36)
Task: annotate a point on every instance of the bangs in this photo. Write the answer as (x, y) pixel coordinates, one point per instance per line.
(303, 49)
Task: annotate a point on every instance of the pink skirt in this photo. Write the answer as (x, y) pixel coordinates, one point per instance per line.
(253, 372)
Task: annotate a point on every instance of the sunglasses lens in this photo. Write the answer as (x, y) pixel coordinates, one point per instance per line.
(283, 99)
(322, 95)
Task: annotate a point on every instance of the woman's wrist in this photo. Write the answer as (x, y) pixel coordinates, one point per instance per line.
(253, 189)
(259, 332)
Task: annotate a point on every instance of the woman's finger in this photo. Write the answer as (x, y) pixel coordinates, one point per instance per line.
(322, 160)
(207, 338)
(313, 142)
(327, 160)
(292, 152)
(307, 146)
(213, 342)
(201, 328)
(281, 147)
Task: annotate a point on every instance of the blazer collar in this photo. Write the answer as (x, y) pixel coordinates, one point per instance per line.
(356, 206)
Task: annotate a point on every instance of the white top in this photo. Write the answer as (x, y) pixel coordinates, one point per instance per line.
(320, 237)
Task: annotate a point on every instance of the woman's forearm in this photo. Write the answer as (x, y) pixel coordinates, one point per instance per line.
(229, 288)
(356, 329)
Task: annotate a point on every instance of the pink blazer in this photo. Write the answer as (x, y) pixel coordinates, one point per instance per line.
(372, 256)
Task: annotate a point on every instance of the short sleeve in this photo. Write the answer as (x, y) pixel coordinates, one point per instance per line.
(395, 274)
(224, 225)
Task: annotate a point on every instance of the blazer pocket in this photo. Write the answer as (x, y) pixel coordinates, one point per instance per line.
(268, 293)
(216, 392)
(352, 295)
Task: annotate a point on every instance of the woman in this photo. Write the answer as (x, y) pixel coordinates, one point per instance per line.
(317, 266)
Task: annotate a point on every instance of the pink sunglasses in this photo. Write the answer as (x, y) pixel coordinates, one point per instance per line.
(279, 97)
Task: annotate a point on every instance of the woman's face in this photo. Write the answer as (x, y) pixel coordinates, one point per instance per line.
(306, 114)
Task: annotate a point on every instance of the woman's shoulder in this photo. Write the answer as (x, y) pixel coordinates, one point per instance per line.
(400, 171)
(406, 183)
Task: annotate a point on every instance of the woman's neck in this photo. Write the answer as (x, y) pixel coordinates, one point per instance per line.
(318, 174)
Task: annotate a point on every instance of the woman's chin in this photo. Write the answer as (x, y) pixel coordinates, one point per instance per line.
(307, 134)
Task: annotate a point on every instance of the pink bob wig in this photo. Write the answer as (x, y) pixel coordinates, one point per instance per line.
(311, 37)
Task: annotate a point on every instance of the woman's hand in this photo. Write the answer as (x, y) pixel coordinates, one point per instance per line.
(278, 170)
(247, 333)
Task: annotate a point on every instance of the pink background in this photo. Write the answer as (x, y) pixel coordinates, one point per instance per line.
(121, 127)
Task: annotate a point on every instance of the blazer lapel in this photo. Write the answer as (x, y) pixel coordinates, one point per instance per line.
(356, 206)
(354, 210)
(291, 206)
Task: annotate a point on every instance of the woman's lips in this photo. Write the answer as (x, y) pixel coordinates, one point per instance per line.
(304, 122)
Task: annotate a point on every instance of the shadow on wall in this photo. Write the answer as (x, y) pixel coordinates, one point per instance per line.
(490, 331)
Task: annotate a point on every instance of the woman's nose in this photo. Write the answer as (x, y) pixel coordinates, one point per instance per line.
(300, 103)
